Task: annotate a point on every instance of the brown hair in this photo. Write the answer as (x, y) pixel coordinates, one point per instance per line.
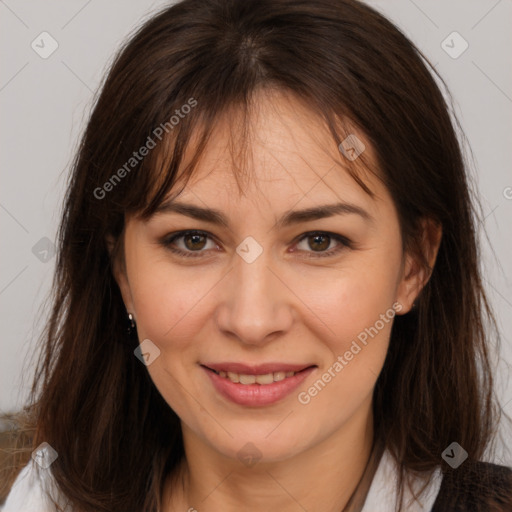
(92, 400)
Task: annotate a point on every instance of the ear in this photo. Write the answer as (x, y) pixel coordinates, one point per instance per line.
(415, 276)
(119, 271)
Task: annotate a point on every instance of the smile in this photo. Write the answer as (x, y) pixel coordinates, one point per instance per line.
(256, 386)
(267, 378)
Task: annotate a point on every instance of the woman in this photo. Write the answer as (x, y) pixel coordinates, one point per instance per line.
(267, 291)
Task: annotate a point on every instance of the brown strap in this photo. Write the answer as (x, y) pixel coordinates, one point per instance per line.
(475, 486)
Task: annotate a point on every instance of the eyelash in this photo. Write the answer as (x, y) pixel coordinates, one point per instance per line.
(344, 243)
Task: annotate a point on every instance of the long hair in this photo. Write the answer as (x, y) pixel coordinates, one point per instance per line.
(91, 399)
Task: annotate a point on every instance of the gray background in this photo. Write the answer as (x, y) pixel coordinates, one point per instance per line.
(45, 103)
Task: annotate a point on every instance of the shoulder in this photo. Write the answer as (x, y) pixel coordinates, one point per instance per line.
(475, 486)
(30, 491)
(383, 493)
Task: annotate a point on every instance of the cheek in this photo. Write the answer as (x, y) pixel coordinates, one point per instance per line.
(356, 312)
(167, 301)
(353, 300)
(361, 327)
(359, 321)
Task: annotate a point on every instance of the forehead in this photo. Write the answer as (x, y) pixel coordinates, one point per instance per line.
(283, 154)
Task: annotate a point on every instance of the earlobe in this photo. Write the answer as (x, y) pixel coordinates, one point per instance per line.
(416, 273)
(410, 284)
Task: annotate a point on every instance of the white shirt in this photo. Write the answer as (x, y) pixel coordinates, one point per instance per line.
(28, 491)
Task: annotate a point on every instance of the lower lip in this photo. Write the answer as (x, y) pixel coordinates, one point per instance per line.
(257, 394)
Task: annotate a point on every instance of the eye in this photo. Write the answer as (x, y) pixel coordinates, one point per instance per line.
(319, 241)
(192, 242)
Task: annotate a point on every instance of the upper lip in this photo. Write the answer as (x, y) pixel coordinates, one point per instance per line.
(256, 369)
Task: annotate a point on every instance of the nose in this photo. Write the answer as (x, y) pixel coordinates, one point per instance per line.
(256, 305)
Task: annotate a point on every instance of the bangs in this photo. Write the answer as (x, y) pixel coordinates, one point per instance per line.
(167, 170)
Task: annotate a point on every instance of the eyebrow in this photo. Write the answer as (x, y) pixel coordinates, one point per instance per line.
(290, 218)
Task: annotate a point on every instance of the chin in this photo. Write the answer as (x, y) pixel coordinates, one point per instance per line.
(251, 445)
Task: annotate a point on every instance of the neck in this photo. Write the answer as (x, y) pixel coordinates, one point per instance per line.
(323, 478)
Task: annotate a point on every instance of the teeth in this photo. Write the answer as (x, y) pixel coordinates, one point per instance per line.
(247, 379)
(267, 378)
(279, 376)
(233, 377)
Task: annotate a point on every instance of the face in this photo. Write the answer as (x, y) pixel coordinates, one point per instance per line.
(298, 309)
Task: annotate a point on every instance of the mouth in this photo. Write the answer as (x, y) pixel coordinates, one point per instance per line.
(256, 385)
(262, 379)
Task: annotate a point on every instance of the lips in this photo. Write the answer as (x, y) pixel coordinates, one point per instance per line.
(259, 369)
(256, 385)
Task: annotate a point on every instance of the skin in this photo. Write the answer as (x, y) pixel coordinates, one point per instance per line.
(282, 307)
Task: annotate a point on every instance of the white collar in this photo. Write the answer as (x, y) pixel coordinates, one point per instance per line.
(27, 493)
(382, 494)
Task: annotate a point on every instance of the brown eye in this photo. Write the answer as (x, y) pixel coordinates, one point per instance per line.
(194, 241)
(319, 242)
(189, 243)
(315, 244)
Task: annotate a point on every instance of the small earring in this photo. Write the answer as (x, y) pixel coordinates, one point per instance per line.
(131, 324)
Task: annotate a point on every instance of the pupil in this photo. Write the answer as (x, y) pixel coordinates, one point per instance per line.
(326, 241)
(195, 238)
